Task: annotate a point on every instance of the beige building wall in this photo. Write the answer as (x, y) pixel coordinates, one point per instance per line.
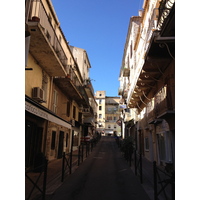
(100, 99)
(36, 77)
(112, 114)
(82, 59)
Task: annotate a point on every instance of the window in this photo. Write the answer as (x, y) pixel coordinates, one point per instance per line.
(68, 108)
(131, 49)
(100, 116)
(100, 107)
(60, 38)
(74, 112)
(53, 140)
(109, 117)
(109, 109)
(50, 18)
(75, 138)
(100, 94)
(109, 126)
(161, 146)
(146, 144)
(100, 101)
(48, 36)
(115, 118)
(80, 117)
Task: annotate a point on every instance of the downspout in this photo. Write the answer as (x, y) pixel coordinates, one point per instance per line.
(47, 122)
(50, 93)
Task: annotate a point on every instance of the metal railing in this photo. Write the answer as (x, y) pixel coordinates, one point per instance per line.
(83, 152)
(138, 165)
(38, 10)
(41, 187)
(162, 180)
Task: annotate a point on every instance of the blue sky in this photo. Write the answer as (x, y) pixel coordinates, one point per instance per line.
(100, 27)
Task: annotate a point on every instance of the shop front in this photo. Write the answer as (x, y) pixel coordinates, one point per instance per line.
(45, 133)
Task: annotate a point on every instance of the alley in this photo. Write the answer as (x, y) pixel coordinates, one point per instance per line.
(103, 175)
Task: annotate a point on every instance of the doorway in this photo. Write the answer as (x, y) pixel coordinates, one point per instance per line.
(33, 142)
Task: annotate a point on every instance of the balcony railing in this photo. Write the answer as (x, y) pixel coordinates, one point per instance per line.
(73, 88)
(44, 41)
(88, 111)
(89, 88)
(164, 10)
(126, 71)
(160, 109)
(120, 91)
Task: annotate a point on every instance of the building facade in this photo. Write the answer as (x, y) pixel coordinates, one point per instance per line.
(89, 112)
(108, 113)
(56, 95)
(149, 81)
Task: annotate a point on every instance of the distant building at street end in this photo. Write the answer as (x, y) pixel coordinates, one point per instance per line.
(108, 114)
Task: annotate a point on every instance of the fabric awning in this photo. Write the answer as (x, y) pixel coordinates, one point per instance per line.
(45, 115)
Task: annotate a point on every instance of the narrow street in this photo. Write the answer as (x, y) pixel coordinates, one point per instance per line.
(104, 175)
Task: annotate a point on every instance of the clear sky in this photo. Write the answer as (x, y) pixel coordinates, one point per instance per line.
(100, 27)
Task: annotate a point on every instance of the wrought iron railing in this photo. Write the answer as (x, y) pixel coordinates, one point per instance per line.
(40, 182)
(164, 183)
(38, 10)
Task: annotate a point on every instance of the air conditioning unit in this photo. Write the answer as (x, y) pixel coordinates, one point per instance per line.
(38, 94)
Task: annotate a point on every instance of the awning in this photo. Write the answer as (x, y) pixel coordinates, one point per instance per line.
(45, 115)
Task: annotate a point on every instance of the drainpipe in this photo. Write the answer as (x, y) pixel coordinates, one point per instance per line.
(50, 92)
(47, 122)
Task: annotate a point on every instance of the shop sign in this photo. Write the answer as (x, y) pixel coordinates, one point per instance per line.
(40, 113)
(36, 111)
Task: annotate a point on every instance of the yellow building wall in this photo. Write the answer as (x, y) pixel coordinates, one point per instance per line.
(33, 78)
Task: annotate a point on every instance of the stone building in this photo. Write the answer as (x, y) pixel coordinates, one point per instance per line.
(107, 114)
(89, 113)
(56, 95)
(149, 82)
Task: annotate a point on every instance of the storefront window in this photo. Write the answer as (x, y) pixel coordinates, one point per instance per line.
(53, 140)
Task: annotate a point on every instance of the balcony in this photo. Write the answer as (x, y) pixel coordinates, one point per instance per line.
(120, 91)
(162, 110)
(71, 86)
(89, 88)
(151, 117)
(44, 43)
(88, 112)
(126, 71)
